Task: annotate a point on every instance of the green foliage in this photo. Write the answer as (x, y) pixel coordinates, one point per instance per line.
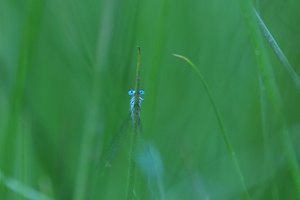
(66, 67)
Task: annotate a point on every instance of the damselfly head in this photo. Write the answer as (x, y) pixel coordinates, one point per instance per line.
(132, 92)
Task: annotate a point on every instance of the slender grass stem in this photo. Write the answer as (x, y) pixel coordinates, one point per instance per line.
(136, 121)
(220, 122)
(254, 24)
(277, 50)
(132, 166)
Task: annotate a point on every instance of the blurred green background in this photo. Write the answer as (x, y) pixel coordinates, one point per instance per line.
(66, 67)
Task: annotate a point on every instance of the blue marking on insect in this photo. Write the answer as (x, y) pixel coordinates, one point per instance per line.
(135, 98)
(142, 92)
(131, 92)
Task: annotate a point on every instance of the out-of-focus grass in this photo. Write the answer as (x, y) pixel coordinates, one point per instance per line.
(66, 67)
(226, 139)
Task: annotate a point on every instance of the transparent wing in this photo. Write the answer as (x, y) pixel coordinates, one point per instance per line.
(111, 152)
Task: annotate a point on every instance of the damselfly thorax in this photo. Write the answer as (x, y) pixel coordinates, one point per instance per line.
(136, 103)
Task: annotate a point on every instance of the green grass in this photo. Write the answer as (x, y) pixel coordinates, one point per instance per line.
(66, 67)
(226, 139)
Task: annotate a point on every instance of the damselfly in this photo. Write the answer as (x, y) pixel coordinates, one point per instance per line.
(141, 152)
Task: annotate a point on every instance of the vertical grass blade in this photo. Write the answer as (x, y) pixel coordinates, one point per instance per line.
(132, 165)
(85, 169)
(266, 73)
(220, 122)
(28, 42)
(136, 122)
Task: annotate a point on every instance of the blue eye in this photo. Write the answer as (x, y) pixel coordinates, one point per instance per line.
(131, 92)
(142, 92)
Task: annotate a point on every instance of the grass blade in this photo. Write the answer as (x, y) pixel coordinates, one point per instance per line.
(220, 122)
(21, 189)
(283, 59)
(136, 122)
(266, 72)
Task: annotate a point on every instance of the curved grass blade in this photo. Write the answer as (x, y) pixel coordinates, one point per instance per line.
(283, 59)
(220, 122)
